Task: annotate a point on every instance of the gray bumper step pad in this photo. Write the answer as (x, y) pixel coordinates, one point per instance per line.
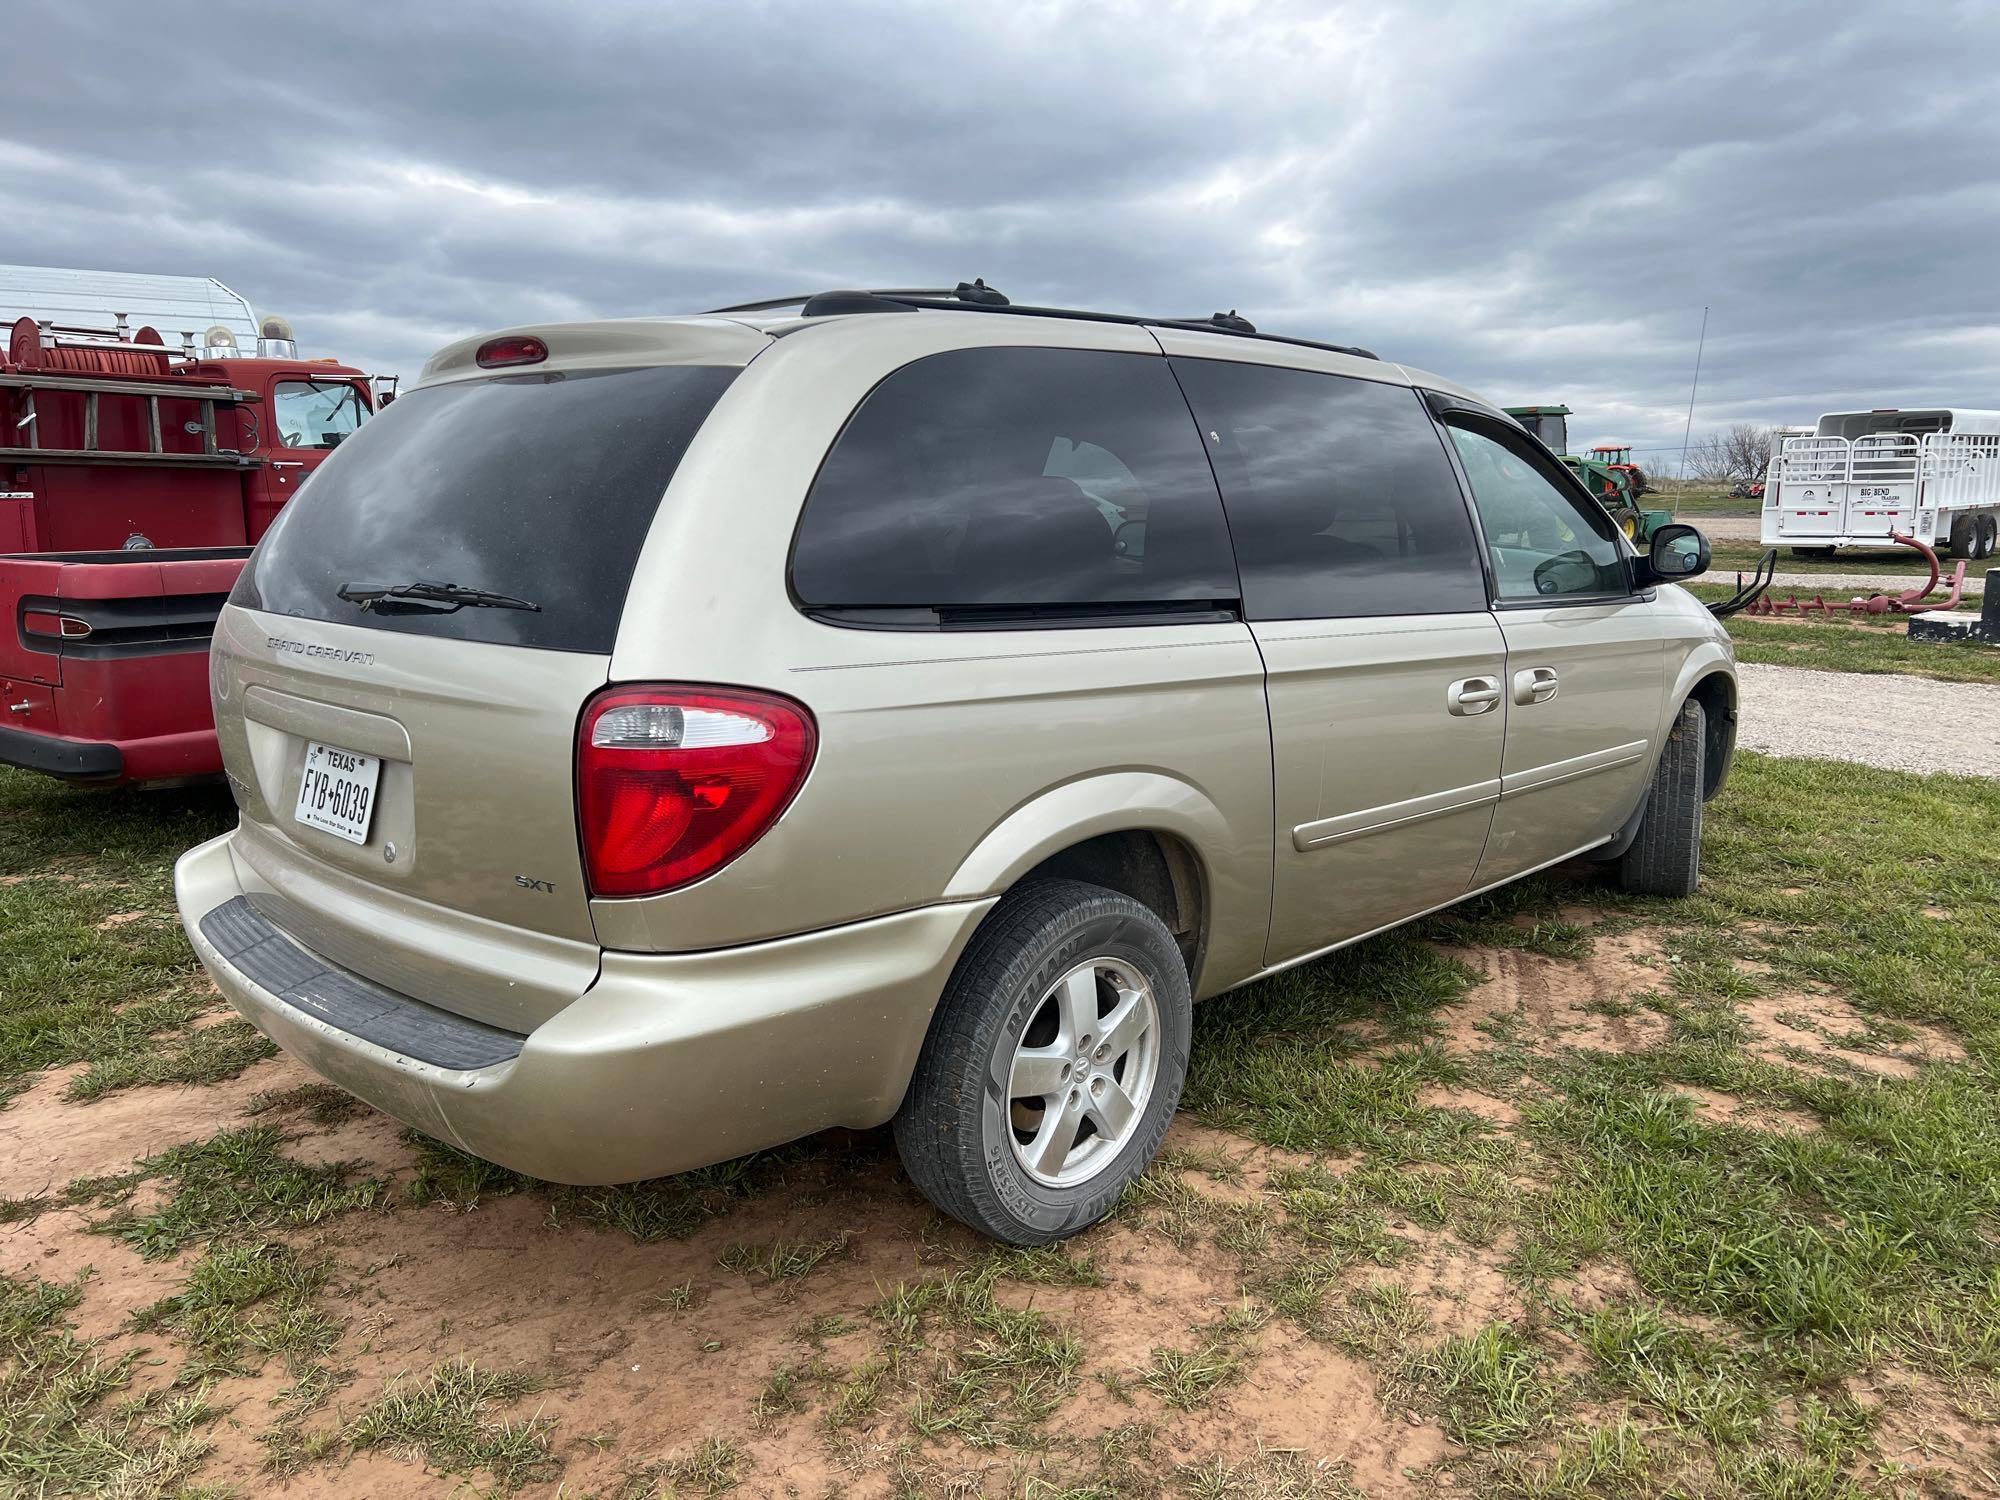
(273, 960)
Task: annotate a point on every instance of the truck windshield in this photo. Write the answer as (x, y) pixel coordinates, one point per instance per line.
(537, 487)
(317, 413)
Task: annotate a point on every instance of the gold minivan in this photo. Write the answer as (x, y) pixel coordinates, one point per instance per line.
(662, 738)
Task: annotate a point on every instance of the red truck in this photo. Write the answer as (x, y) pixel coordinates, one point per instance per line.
(134, 480)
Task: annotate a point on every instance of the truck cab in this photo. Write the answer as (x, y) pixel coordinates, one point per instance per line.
(134, 480)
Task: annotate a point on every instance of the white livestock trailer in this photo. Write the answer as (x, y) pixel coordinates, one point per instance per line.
(1861, 476)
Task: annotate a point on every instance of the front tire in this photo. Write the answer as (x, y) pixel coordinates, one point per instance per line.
(1665, 859)
(1053, 1064)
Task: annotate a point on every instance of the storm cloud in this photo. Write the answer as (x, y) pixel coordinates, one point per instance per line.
(1537, 200)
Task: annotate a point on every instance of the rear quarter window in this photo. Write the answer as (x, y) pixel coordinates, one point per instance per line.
(1000, 477)
(538, 486)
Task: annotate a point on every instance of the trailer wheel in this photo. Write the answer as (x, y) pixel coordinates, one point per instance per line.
(1665, 859)
(1989, 534)
(1964, 541)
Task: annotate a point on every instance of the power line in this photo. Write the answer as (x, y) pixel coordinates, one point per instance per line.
(1688, 430)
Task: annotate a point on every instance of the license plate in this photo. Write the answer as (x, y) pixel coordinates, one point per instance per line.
(337, 791)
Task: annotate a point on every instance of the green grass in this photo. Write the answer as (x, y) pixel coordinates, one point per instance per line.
(1698, 1382)
(321, 1103)
(1268, 1474)
(662, 1208)
(1488, 1389)
(84, 979)
(1831, 646)
(1727, 557)
(713, 1466)
(971, 1367)
(239, 1300)
(238, 1183)
(1769, 1264)
(1188, 1378)
(447, 1417)
(785, 1260)
(60, 1432)
(1695, 502)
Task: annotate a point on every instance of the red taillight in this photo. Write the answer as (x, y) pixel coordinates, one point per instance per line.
(44, 622)
(511, 349)
(673, 783)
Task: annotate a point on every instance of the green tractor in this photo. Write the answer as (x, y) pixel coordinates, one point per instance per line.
(1608, 473)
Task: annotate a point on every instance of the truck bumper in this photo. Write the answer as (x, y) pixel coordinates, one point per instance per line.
(53, 755)
(667, 1062)
(190, 755)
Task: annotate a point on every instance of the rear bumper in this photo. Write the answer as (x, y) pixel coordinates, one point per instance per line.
(667, 1062)
(52, 755)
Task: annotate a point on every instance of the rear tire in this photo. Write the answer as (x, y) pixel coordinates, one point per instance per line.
(1964, 536)
(1989, 535)
(978, 1133)
(1665, 859)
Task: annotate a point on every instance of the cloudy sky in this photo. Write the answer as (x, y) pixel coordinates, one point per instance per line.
(1537, 200)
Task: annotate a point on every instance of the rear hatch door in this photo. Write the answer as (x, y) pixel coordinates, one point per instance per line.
(403, 664)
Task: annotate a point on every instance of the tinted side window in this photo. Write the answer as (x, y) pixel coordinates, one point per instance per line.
(1340, 496)
(1015, 476)
(1544, 541)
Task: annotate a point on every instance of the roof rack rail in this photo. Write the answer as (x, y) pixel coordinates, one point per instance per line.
(977, 296)
(975, 290)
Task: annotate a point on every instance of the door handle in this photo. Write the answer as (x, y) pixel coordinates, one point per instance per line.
(288, 463)
(1472, 695)
(1536, 685)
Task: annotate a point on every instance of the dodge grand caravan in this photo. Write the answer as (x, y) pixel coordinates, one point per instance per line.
(664, 738)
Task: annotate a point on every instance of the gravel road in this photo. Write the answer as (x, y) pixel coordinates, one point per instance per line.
(1899, 723)
(1728, 528)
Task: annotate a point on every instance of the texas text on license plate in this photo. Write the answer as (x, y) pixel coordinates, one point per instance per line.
(337, 791)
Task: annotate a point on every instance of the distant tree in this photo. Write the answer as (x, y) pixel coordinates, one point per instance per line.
(1736, 453)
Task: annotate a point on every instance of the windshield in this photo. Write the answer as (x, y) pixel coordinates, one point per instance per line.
(539, 488)
(317, 413)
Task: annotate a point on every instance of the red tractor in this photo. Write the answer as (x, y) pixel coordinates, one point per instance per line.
(134, 480)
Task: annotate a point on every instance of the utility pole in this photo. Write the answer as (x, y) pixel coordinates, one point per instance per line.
(1688, 430)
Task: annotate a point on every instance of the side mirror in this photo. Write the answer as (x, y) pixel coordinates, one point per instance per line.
(1676, 552)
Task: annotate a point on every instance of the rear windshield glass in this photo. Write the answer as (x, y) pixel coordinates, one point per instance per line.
(539, 488)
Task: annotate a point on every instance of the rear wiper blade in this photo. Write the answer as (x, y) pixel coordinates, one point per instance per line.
(427, 593)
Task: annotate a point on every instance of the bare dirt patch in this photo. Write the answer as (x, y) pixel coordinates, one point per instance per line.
(1497, 1111)
(1573, 1002)
(1462, 1292)
(1306, 1396)
(1224, 1165)
(645, 1350)
(1719, 1108)
(1824, 1032)
(47, 1142)
(1923, 1425)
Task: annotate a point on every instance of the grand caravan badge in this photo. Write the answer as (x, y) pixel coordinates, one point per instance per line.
(324, 653)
